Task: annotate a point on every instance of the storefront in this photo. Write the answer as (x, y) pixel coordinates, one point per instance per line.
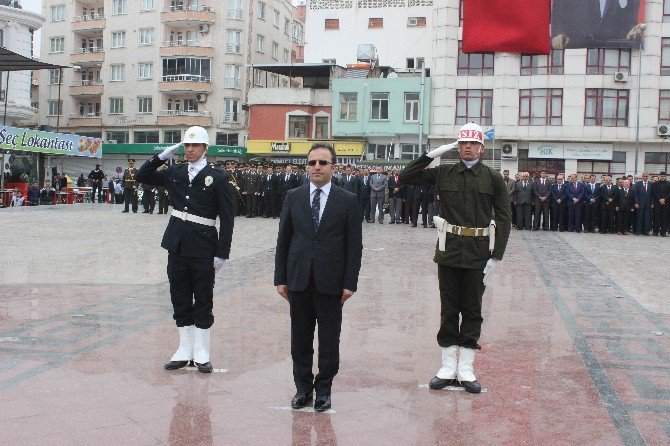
(295, 152)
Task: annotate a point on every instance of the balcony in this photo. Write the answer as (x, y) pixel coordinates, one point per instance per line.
(187, 15)
(85, 120)
(185, 83)
(181, 117)
(96, 22)
(87, 88)
(187, 48)
(90, 56)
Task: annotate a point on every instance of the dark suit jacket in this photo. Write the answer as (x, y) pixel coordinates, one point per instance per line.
(604, 195)
(394, 182)
(332, 253)
(541, 190)
(589, 194)
(364, 188)
(573, 192)
(292, 182)
(212, 200)
(556, 195)
(660, 189)
(626, 201)
(350, 185)
(524, 195)
(643, 198)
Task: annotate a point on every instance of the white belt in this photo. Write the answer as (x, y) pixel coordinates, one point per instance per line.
(194, 218)
(444, 227)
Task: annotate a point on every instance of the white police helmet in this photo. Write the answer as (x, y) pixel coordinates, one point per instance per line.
(196, 135)
(471, 132)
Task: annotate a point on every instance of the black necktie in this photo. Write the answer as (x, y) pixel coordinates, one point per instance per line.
(316, 206)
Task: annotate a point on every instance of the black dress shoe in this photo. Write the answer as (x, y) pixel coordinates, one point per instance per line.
(472, 386)
(432, 226)
(301, 400)
(414, 225)
(322, 403)
(204, 368)
(439, 383)
(124, 211)
(392, 222)
(174, 365)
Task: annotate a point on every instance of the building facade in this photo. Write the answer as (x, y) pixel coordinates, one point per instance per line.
(145, 70)
(17, 28)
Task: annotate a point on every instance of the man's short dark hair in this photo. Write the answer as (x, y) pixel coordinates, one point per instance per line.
(320, 145)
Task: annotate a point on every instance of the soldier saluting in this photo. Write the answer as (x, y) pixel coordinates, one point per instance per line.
(199, 194)
(474, 220)
(130, 186)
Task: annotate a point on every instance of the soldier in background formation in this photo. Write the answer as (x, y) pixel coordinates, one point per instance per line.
(130, 187)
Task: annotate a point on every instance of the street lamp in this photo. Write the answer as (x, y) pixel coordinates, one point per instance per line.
(643, 27)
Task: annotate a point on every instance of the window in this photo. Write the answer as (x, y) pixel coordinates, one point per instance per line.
(230, 110)
(89, 109)
(258, 78)
(287, 27)
(260, 40)
(287, 56)
(606, 107)
(191, 69)
(118, 72)
(55, 108)
(666, 10)
(119, 137)
(329, 61)
(146, 36)
(115, 106)
(275, 50)
(474, 106)
(380, 150)
(227, 139)
(232, 79)
(348, 106)
(536, 164)
(297, 126)
(261, 10)
(541, 106)
(410, 151)
(58, 13)
(275, 18)
(235, 9)
(118, 39)
(54, 77)
(656, 162)
(474, 64)
(416, 21)
(415, 62)
(607, 61)
(274, 80)
(460, 12)
(148, 5)
(150, 137)
(2, 38)
(542, 64)
(321, 127)
(331, 24)
(57, 44)
(411, 107)
(380, 106)
(145, 105)
(146, 70)
(234, 41)
(118, 7)
(615, 167)
(375, 23)
(665, 56)
(664, 107)
(171, 136)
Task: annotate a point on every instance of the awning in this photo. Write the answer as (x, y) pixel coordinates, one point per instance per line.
(11, 61)
(298, 69)
(150, 149)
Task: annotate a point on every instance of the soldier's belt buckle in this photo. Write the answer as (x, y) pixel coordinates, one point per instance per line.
(467, 232)
(183, 216)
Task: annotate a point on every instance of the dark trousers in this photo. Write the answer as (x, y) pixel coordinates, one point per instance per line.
(575, 217)
(163, 203)
(413, 208)
(96, 191)
(523, 216)
(191, 290)
(643, 220)
(128, 196)
(252, 204)
(513, 213)
(364, 206)
(607, 218)
(558, 216)
(590, 213)
(541, 209)
(268, 204)
(623, 218)
(307, 308)
(149, 201)
(278, 203)
(461, 293)
(661, 217)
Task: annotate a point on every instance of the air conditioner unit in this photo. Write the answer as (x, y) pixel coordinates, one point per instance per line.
(201, 97)
(412, 21)
(203, 29)
(509, 150)
(663, 130)
(620, 76)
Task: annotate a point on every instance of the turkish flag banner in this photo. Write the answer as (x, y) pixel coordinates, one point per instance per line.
(512, 26)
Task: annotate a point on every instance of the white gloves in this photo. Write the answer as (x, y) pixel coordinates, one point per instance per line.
(218, 264)
(435, 153)
(491, 265)
(169, 151)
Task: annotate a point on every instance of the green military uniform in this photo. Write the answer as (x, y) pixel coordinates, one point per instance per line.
(471, 198)
(130, 189)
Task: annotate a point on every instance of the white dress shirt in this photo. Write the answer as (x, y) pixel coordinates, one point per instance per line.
(323, 198)
(470, 164)
(195, 168)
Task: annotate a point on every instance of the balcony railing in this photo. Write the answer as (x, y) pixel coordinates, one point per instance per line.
(204, 114)
(88, 18)
(185, 78)
(87, 50)
(86, 83)
(230, 117)
(186, 43)
(234, 48)
(178, 8)
(85, 115)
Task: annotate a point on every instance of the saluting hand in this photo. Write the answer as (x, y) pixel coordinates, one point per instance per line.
(283, 292)
(346, 294)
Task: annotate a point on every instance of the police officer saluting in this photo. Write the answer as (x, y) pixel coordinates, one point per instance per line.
(474, 220)
(198, 193)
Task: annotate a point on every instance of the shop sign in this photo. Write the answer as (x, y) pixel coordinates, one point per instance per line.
(28, 140)
(587, 151)
(545, 150)
(281, 146)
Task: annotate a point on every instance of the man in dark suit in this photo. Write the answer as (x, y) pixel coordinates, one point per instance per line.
(608, 203)
(625, 207)
(199, 194)
(318, 257)
(558, 205)
(252, 190)
(660, 194)
(575, 200)
(591, 205)
(524, 202)
(350, 182)
(270, 186)
(542, 196)
(643, 205)
(289, 181)
(364, 195)
(396, 196)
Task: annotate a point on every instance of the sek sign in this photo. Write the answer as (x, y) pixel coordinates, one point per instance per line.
(570, 150)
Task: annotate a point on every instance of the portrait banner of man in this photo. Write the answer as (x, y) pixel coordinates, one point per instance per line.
(596, 23)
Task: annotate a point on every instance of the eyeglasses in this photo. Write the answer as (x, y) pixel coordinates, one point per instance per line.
(321, 162)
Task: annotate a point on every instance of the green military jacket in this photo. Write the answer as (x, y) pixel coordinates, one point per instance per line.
(470, 198)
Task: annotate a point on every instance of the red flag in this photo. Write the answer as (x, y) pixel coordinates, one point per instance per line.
(513, 26)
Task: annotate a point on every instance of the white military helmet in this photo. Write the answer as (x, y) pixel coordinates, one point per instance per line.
(196, 135)
(471, 132)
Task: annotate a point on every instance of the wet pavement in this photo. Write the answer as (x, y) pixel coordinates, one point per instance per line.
(575, 345)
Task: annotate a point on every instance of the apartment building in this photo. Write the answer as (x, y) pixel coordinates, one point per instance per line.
(146, 70)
